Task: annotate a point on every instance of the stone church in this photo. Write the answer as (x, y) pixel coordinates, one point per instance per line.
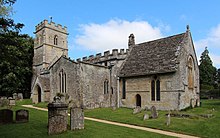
(162, 73)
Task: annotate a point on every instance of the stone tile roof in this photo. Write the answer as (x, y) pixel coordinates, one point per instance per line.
(153, 57)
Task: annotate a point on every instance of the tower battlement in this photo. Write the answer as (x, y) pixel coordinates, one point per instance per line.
(50, 43)
(107, 56)
(51, 25)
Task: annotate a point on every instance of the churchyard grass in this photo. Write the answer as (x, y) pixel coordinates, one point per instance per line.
(24, 102)
(196, 125)
(37, 127)
(41, 105)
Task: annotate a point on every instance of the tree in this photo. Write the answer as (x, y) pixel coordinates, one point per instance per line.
(6, 23)
(16, 63)
(6, 7)
(207, 70)
(16, 54)
(218, 76)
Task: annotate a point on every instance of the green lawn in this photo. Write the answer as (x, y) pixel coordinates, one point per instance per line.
(37, 127)
(198, 126)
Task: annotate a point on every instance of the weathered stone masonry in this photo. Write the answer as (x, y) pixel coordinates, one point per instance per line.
(162, 73)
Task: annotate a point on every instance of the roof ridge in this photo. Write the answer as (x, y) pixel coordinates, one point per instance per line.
(162, 38)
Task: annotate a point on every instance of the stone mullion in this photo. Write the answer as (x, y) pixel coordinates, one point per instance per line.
(61, 82)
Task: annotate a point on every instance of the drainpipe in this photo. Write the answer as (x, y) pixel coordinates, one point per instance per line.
(118, 91)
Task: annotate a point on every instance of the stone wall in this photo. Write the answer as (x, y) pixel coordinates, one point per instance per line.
(92, 83)
(72, 80)
(38, 55)
(41, 82)
(190, 96)
(142, 86)
(84, 81)
(113, 60)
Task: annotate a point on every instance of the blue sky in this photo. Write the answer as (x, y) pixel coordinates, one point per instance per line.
(95, 26)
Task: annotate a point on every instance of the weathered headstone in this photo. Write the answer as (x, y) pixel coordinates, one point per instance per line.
(154, 113)
(114, 108)
(168, 119)
(137, 110)
(76, 118)
(3, 97)
(6, 116)
(22, 116)
(57, 116)
(146, 108)
(4, 102)
(11, 101)
(20, 96)
(146, 116)
(15, 96)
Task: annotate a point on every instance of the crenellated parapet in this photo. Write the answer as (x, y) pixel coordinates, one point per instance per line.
(107, 56)
(51, 25)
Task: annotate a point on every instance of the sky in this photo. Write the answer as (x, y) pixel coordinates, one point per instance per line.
(95, 26)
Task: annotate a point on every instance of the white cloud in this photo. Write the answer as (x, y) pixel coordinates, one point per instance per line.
(216, 59)
(212, 41)
(114, 34)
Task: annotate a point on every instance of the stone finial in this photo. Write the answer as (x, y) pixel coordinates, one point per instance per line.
(51, 18)
(56, 99)
(131, 41)
(187, 27)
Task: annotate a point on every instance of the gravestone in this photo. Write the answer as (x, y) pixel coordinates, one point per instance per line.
(137, 110)
(154, 113)
(114, 108)
(6, 116)
(146, 116)
(76, 118)
(168, 119)
(15, 96)
(3, 97)
(4, 102)
(20, 96)
(22, 116)
(146, 108)
(57, 116)
(11, 101)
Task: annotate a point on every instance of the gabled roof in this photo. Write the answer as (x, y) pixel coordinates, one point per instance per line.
(153, 57)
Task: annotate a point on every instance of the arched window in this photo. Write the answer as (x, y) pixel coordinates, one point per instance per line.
(155, 90)
(158, 90)
(55, 40)
(105, 86)
(62, 76)
(190, 73)
(123, 88)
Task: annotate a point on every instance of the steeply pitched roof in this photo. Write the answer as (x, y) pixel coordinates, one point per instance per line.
(153, 57)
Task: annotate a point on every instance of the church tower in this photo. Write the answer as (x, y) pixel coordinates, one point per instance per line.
(50, 44)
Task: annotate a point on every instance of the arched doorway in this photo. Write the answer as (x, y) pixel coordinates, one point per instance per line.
(138, 100)
(39, 94)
